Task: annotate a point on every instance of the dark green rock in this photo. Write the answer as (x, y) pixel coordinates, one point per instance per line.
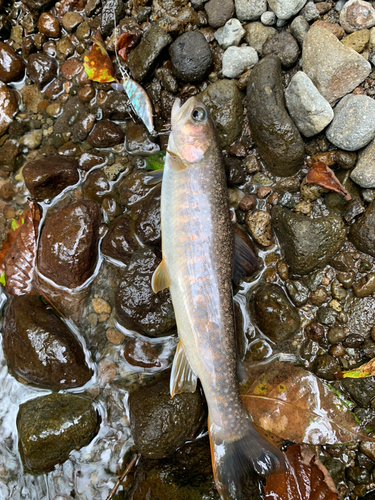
(362, 232)
(325, 366)
(366, 417)
(278, 140)
(276, 317)
(358, 475)
(52, 426)
(308, 243)
(362, 390)
(40, 348)
(336, 202)
(159, 423)
(326, 315)
(361, 314)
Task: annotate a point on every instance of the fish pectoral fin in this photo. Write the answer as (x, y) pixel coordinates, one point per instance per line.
(153, 178)
(183, 379)
(174, 161)
(245, 262)
(160, 279)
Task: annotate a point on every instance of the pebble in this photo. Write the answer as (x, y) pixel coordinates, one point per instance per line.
(353, 126)
(258, 223)
(257, 35)
(12, 67)
(268, 18)
(71, 20)
(325, 366)
(31, 140)
(71, 68)
(333, 28)
(310, 12)
(356, 15)
(250, 10)
(309, 110)
(335, 335)
(105, 134)
(284, 46)
(357, 40)
(298, 292)
(285, 9)
(120, 241)
(148, 224)
(191, 57)
(41, 68)
(139, 141)
(364, 171)
(219, 12)
(231, 34)
(49, 25)
(86, 93)
(8, 108)
(299, 28)
(112, 10)
(280, 146)
(362, 390)
(362, 232)
(365, 286)
(236, 60)
(333, 68)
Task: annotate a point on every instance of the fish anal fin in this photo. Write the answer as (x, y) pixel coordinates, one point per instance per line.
(160, 279)
(183, 379)
(174, 161)
(245, 262)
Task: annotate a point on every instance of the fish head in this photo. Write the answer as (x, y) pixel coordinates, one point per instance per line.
(193, 131)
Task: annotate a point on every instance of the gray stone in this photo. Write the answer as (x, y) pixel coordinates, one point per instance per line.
(285, 9)
(334, 69)
(310, 12)
(219, 12)
(362, 232)
(224, 102)
(250, 10)
(238, 59)
(112, 13)
(308, 109)
(230, 34)
(299, 28)
(357, 15)
(268, 18)
(284, 46)
(364, 172)
(257, 35)
(191, 57)
(353, 126)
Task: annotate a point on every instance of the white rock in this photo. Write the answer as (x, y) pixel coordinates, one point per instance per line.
(31, 140)
(250, 10)
(230, 34)
(285, 9)
(364, 172)
(236, 60)
(309, 110)
(268, 18)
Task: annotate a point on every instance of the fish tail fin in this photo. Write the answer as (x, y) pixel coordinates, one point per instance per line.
(234, 462)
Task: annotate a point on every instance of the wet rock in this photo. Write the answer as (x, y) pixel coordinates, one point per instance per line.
(275, 316)
(224, 102)
(40, 348)
(361, 390)
(308, 109)
(8, 108)
(336, 334)
(87, 161)
(120, 242)
(308, 243)
(49, 25)
(191, 57)
(96, 186)
(12, 67)
(46, 177)
(111, 11)
(362, 232)
(41, 68)
(133, 189)
(32, 139)
(277, 138)
(257, 35)
(353, 340)
(325, 315)
(326, 366)
(137, 306)
(105, 134)
(364, 172)
(299, 28)
(143, 58)
(250, 10)
(285, 9)
(356, 15)
(298, 292)
(361, 314)
(139, 352)
(284, 46)
(258, 223)
(68, 246)
(139, 141)
(37, 5)
(219, 12)
(335, 201)
(231, 34)
(349, 130)
(358, 475)
(51, 427)
(236, 60)
(357, 40)
(333, 68)
(365, 286)
(8, 154)
(343, 262)
(147, 226)
(159, 423)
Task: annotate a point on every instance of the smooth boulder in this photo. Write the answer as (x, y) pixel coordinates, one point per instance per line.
(362, 232)
(364, 172)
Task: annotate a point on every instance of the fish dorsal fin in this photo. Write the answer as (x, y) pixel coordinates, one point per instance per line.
(183, 379)
(174, 161)
(160, 279)
(245, 262)
(153, 178)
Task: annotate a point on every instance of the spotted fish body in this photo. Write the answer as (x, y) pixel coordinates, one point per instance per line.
(197, 243)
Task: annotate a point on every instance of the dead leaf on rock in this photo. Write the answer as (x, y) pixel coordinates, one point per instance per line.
(323, 176)
(294, 404)
(305, 478)
(366, 370)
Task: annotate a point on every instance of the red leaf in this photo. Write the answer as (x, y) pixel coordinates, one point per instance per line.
(125, 43)
(323, 176)
(305, 478)
(20, 260)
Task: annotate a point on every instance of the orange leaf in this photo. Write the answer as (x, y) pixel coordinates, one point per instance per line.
(11, 238)
(98, 65)
(125, 43)
(323, 176)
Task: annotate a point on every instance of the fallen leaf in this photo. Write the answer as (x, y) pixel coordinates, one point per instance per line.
(155, 161)
(305, 478)
(366, 370)
(97, 64)
(323, 176)
(125, 43)
(294, 404)
(19, 262)
(11, 238)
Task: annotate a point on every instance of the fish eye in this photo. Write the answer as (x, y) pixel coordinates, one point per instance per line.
(199, 114)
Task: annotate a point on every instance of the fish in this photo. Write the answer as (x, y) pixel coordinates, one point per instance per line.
(198, 251)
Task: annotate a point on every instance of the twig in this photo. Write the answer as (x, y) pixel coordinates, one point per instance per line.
(123, 475)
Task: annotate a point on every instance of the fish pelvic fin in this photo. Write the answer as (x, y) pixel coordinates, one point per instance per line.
(183, 379)
(236, 464)
(160, 278)
(174, 161)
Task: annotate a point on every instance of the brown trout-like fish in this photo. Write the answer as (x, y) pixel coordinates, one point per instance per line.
(197, 266)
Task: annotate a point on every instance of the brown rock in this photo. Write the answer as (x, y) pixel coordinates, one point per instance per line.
(71, 68)
(49, 25)
(333, 28)
(120, 241)
(105, 134)
(356, 15)
(8, 108)
(258, 223)
(12, 67)
(41, 69)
